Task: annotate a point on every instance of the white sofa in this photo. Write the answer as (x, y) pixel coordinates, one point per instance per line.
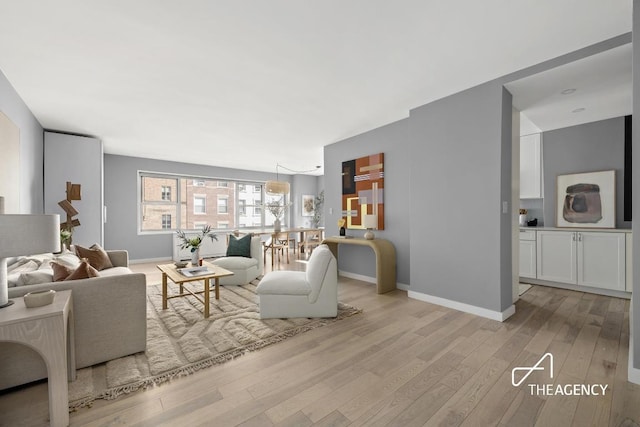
(110, 317)
(311, 293)
(244, 269)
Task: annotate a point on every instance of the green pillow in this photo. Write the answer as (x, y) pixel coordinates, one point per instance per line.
(239, 247)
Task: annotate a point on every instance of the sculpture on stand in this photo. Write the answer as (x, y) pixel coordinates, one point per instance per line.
(66, 228)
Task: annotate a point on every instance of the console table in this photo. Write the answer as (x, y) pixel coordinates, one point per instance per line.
(49, 331)
(385, 258)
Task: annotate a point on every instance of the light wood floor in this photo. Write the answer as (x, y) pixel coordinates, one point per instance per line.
(403, 363)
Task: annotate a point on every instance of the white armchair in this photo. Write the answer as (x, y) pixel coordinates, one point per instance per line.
(311, 293)
(244, 269)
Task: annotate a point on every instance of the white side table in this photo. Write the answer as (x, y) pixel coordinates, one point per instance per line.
(49, 331)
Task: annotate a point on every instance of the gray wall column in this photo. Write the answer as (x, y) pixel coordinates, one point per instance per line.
(460, 163)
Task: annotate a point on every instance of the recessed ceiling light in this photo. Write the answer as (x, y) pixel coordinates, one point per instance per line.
(578, 110)
(567, 91)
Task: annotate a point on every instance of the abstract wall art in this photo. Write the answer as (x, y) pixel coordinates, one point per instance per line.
(363, 190)
(307, 205)
(586, 200)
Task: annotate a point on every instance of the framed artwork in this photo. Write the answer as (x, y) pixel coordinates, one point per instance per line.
(363, 190)
(307, 205)
(586, 200)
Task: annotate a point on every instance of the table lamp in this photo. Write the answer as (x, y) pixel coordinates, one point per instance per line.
(25, 235)
(370, 222)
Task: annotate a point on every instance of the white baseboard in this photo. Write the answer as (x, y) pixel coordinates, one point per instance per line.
(633, 374)
(467, 308)
(369, 279)
(163, 260)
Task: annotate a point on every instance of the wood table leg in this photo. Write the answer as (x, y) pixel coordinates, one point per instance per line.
(217, 282)
(273, 254)
(164, 291)
(207, 291)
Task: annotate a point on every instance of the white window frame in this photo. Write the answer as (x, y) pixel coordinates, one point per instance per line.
(202, 197)
(226, 204)
(176, 219)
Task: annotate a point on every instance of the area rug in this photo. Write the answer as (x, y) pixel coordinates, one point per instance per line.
(180, 341)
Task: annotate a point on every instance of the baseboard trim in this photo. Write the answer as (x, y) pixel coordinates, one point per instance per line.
(467, 308)
(633, 374)
(164, 260)
(369, 279)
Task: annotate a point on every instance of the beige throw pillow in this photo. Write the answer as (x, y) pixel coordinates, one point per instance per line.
(98, 257)
(60, 272)
(84, 271)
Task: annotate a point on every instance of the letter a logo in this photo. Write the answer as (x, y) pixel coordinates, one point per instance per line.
(530, 369)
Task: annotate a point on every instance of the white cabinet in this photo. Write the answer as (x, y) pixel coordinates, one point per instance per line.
(601, 260)
(530, 167)
(557, 256)
(595, 259)
(528, 253)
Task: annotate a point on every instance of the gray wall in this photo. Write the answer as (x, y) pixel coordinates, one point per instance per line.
(460, 162)
(392, 140)
(121, 199)
(86, 155)
(590, 147)
(31, 143)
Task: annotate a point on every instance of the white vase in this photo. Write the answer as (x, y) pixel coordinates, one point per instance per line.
(277, 226)
(523, 220)
(195, 257)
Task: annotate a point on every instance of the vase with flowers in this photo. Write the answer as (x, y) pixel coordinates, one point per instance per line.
(277, 209)
(193, 242)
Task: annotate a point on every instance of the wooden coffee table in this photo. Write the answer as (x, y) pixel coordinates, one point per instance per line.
(171, 271)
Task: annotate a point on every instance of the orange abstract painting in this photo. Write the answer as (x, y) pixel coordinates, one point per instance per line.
(363, 190)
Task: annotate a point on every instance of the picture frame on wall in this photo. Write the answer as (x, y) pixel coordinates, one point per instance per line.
(308, 204)
(586, 200)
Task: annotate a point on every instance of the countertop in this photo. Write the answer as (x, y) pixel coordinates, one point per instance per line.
(584, 229)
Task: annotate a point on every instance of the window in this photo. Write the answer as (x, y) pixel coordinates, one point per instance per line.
(199, 204)
(223, 205)
(166, 221)
(171, 202)
(166, 193)
(155, 206)
(199, 225)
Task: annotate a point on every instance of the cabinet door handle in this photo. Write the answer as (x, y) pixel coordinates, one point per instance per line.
(574, 237)
(579, 237)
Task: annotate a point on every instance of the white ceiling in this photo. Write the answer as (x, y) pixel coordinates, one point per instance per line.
(601, 88)
(248, 84)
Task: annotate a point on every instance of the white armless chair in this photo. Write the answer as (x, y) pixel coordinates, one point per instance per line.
(311, 293)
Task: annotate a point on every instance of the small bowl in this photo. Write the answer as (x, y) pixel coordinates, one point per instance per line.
(39, 298)
(181, 264)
